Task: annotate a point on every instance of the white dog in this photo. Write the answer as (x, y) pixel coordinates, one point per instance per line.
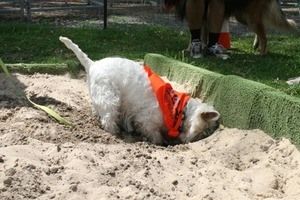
(294, 81)
(123, 98)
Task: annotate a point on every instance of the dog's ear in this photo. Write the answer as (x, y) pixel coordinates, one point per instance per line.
(210, 116)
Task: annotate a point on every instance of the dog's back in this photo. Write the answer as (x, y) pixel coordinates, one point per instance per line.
(275, 18)
(259, 12)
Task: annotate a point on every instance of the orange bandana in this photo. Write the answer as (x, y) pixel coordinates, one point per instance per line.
(171, 102)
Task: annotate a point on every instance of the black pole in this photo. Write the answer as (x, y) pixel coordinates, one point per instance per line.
(105, 14)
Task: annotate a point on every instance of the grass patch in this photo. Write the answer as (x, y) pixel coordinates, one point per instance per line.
(31, 43)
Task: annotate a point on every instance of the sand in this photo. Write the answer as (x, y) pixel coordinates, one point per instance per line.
(41, 159)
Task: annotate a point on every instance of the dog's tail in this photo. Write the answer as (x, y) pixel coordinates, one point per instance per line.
(82, 57)
(277, 19)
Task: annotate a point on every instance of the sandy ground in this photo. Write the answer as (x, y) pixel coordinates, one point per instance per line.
(42, 159)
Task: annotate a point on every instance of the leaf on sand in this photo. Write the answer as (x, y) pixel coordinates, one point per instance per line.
(49, 111)
(52, 113)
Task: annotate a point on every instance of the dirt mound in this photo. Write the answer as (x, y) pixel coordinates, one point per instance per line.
(42, 159)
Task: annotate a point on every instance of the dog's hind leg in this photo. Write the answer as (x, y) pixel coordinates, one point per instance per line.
(106, 102)
(255, 42)
(261, 40)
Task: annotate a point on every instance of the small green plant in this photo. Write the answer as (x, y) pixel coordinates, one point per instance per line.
(4, 68)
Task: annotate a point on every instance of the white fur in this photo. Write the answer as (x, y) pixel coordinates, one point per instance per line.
(122, 97)
(294, 81)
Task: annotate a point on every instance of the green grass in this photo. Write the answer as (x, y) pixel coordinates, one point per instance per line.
(31, 43)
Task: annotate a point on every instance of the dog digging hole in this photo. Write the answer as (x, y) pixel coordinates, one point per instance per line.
(67, 96)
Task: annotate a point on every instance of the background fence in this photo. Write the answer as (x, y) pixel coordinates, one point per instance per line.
(138, 11)
(26, 8)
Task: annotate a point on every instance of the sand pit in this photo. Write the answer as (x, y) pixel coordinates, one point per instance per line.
(42, 159)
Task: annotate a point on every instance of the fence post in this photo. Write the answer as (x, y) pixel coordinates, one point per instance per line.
(28, 9)
(105, 14)
(21, 9)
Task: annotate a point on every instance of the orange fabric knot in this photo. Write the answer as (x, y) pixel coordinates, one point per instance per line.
(171, 102)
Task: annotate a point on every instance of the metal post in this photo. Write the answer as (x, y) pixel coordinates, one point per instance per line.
(28, 9)
(298, 5)
(105, 14)
(22, 9)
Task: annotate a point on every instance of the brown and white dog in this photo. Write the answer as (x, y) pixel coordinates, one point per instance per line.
(258, 15)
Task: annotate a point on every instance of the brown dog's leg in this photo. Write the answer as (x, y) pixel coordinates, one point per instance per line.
(259, 29)
(255, 42)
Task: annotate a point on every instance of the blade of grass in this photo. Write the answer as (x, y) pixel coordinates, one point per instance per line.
(4, 68)
(51, 113)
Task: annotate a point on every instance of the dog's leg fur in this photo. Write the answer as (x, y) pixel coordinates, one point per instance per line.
(261, 38)
(269, 15)
(255, 42)
(107, 106)
(272, 17)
